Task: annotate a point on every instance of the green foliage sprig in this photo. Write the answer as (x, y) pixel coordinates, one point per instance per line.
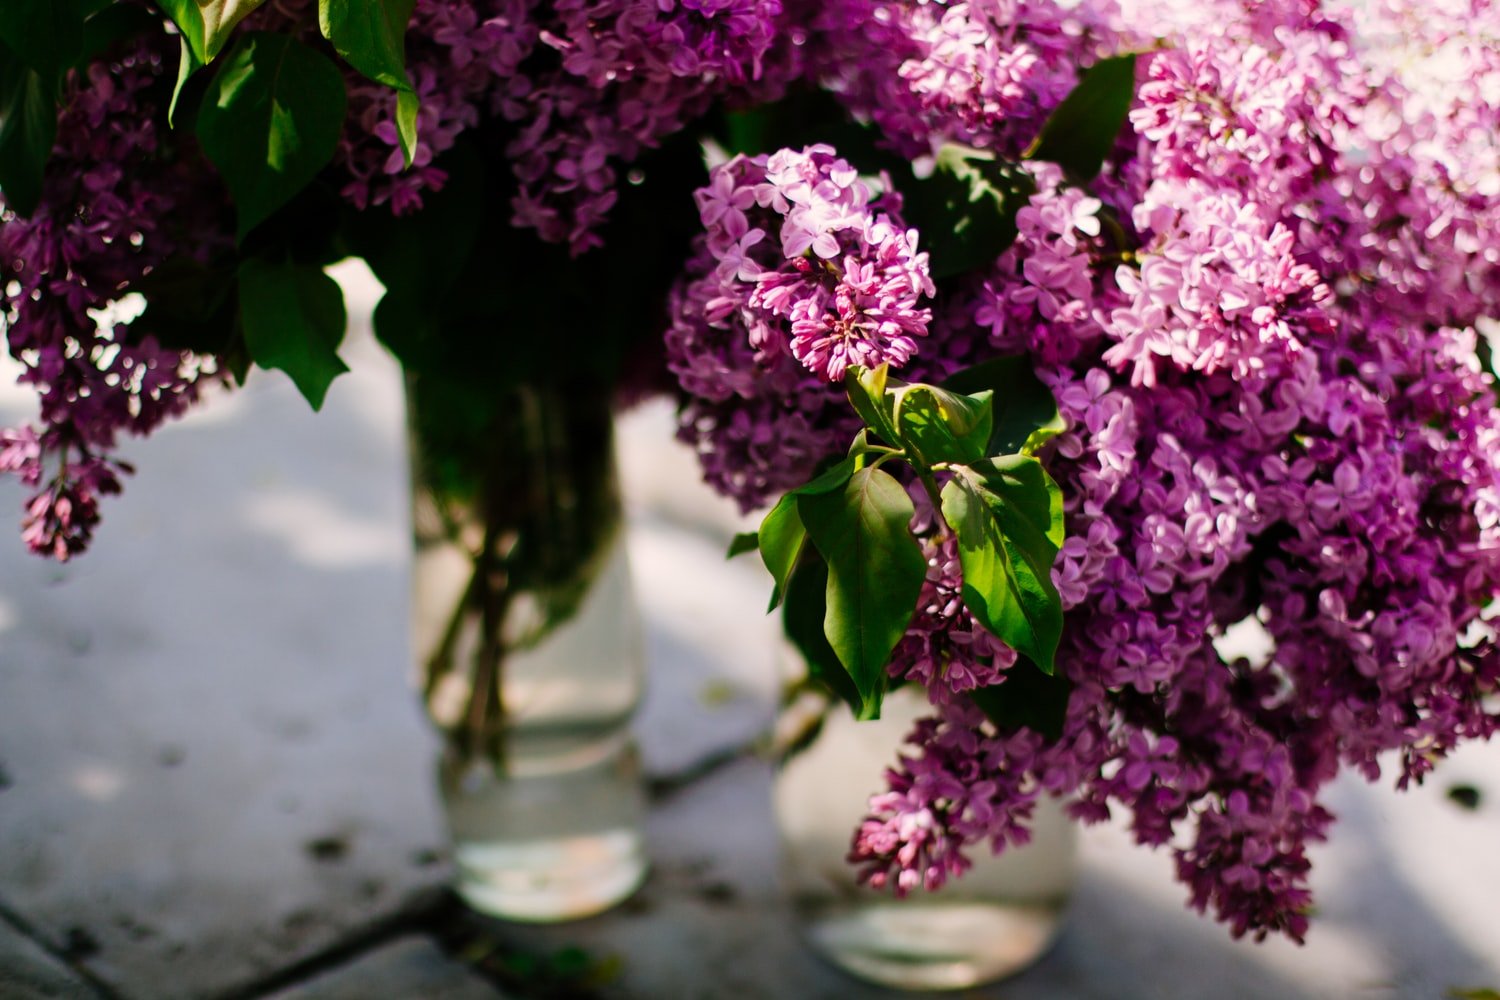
(850, 595)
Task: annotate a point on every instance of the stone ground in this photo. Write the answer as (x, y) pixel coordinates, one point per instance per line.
(215, 782)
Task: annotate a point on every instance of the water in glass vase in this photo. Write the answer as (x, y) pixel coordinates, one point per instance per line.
(530, 650)
(994, 921)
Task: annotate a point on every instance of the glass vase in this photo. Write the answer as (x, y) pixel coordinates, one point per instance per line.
(994, 921)
(528, 645)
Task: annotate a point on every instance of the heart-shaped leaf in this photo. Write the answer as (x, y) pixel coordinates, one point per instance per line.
(943, 426)
(294, 319)
(875, 573)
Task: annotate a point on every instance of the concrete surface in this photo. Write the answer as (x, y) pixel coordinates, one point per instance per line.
(215, 780)
(27, 970)
(408, 967)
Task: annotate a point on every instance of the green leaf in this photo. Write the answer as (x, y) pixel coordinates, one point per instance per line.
(45, 35)
(1474, 993)
(408, 104)
(1027, 698)
(1080, 133)
(188, 63)
(780, 539)
(28, 127)
(1023, 486)
(205, 24)
(875, 573)
(1025, 413)
(371, 36)
(943, 426)
(1007, 516)
(294, 319)
(782, 535)
(868, 394)
(745, 541)
(270, 120)
(802, 621)
(966, 209)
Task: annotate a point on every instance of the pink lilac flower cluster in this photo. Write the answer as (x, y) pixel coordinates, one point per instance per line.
(983, 73)
(114, 207)
(1259, 327)
(801, 272)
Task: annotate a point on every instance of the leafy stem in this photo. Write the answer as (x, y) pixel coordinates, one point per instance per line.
(850, 595)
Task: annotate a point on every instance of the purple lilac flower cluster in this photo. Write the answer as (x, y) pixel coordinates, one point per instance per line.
(114, 208)
(621, 75)
(585, 86)
(801, 272)
(984, 73)
(1259, 327)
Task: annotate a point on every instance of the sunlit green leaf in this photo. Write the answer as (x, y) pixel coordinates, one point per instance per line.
(188, 63)
(943, 426)
(745, 541)
(867, 391)
(371, 37)
(408, 105)
(205, 24)
(1007, 516)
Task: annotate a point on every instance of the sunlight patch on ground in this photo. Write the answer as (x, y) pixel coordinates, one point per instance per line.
(97, 782)
(320, 533)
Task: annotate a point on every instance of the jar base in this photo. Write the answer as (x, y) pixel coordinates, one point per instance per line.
(911, 946)
(548, 881)
(549, 846)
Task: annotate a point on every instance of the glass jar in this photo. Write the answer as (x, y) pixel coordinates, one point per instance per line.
(528, 646)
(995, 920)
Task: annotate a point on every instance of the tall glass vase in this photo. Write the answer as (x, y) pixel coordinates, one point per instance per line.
(994, 921)
(528, 645)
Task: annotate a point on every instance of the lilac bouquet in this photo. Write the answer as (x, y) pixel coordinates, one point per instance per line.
(1059, 339)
